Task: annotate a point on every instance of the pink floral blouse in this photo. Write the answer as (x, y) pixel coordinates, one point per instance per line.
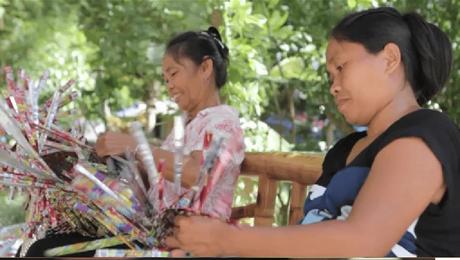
(222, 121)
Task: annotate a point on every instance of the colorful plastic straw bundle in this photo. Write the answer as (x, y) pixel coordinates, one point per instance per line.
(70, 189)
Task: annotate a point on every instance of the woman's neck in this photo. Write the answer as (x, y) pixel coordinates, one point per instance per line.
(391, 113)
(210, 100)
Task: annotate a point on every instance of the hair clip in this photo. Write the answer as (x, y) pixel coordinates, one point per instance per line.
(215, 38)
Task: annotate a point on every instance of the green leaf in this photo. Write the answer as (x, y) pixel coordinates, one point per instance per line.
(277, 21)
(352, 4)
(258, 67)
(256, 19)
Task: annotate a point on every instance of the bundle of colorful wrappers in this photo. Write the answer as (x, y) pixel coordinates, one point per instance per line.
(69, 189)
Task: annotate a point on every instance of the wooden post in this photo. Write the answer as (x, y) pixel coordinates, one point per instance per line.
(266, 195)
(298, 194)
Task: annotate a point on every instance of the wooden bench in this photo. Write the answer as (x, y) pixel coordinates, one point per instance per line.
(302, 169)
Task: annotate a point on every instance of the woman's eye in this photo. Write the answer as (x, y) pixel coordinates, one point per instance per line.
(340, 68)
(172, 75)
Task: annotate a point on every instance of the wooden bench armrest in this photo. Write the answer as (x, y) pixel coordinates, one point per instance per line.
(301, 169)
(244, 212)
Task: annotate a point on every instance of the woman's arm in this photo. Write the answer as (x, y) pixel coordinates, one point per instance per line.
(112, 143)
(405, 178)
(190, 167)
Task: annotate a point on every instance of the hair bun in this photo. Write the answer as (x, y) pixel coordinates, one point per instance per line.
(223, 50)
(432, 47)
(214, 32)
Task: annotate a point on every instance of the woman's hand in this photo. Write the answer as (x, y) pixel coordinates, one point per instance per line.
(112, 143)
(201, 236)
(178, 253)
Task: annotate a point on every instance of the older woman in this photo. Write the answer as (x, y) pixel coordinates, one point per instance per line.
(194, 69)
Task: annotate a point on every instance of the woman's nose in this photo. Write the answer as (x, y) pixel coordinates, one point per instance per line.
(169, 86)
(335, 88)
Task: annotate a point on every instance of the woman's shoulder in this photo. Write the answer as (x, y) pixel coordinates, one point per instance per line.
(217, 115)
(222, 119)
(426, 118)
(220, 110)
(433, 126)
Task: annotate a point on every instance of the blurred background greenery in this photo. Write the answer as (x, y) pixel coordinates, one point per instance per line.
(277, 77)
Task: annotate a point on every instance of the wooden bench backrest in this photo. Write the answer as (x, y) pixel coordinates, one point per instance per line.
(270, 167)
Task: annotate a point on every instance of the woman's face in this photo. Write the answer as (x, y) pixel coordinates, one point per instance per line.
(186, 82)
(360, 81)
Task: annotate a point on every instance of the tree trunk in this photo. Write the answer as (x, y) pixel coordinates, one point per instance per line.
(1, 23)
(151, 98)
(106, 110)
(284, 208)
(291, 113)
(340, 123)
(330, 135)
(216, 20)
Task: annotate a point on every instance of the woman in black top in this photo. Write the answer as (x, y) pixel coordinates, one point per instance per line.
(391, 191)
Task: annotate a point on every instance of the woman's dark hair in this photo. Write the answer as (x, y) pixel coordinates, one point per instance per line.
(426, 51)
(198, 46)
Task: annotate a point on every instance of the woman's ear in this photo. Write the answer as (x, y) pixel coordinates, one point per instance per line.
(206, 68)
(392, 55)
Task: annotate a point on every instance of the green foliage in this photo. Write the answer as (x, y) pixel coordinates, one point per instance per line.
(245, 194)
(11, 211)
(260, 137)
